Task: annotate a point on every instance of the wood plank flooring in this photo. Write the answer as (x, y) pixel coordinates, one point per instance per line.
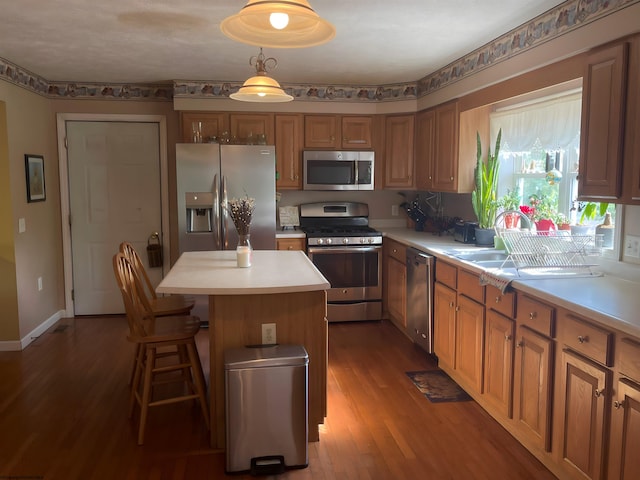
(63, 415)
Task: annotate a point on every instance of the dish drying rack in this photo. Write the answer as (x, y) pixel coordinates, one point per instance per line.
(553, 250)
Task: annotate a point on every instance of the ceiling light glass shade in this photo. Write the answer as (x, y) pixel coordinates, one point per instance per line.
(254, 25)
(261, 89)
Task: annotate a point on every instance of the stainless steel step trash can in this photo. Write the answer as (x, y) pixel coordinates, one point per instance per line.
(266, 400)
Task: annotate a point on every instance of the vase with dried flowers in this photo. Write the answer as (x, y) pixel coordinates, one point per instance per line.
(240, 210)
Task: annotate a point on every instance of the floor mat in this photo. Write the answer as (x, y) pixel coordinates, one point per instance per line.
(437, 386)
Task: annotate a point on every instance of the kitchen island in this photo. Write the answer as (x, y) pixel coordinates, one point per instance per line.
(281, 287)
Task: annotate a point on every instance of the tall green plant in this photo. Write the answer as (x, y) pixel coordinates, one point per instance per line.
(484, 195)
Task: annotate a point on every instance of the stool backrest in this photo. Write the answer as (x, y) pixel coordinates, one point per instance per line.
(136, 305)
(127, 249)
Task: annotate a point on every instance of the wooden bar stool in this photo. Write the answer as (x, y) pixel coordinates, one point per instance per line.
(153, 335)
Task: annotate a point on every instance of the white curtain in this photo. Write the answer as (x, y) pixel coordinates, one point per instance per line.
(552, 124)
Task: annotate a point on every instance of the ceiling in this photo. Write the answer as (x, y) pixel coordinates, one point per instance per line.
(377, 42)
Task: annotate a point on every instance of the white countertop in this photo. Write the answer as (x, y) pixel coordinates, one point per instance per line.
(609, 300)
(216, 273)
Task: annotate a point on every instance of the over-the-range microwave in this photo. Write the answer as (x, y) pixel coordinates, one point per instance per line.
(333, 170)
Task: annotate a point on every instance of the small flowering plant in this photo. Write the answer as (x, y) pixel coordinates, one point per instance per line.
(241, 210)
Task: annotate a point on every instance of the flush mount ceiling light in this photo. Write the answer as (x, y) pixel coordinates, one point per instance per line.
(261, 88)
(278, 24)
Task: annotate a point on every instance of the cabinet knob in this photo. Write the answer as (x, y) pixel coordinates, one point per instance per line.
(582, 339)
(457, 309)
(290, 247)
(451, 178)
(532, 315)
(498, 298)
(507, 337)
(598, 393)
(332, 138)
(519, 344)
(430, 177)
(617, 404)
(450, 304)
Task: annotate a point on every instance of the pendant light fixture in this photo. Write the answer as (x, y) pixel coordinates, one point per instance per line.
(278, 24)
(261, 88)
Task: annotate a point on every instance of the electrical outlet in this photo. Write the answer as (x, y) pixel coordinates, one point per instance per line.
(632, 246)
(394, 210)
(39, 284)
(268, 333)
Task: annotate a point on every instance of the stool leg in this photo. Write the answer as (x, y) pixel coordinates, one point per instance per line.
(199, 380)
(146, 391)
(137, 376)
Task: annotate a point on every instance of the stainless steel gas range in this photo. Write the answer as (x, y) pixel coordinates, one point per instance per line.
(348, 252)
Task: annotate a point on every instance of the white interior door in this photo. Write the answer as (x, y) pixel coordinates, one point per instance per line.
(114, 196)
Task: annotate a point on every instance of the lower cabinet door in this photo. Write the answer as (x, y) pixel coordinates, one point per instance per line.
(532, 388)
(444, 325)
(470, 342)
(585, 387)
(624, 459)
(498, 362)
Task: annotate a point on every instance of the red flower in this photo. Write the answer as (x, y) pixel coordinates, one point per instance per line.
(527, 210)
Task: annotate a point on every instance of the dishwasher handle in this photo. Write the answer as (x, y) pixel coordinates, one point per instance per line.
(418, 257)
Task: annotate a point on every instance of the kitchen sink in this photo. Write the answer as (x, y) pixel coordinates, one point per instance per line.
(504, 263)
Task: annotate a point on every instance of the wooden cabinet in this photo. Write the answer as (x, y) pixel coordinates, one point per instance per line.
(399, 152)
(396, 282)
(241, 127)
(290, 244)
(631, 165)
(585, 387)
(445, 160)
(602, 129)
(425, 149)
(444, 325)
(212, 124)
(356, 132)
(337, 131)
(288, 141)
(469, 342)
(246, 126)
(498, 362)
(446, 147)
(533, 387)
(321, 131)
(624, 461)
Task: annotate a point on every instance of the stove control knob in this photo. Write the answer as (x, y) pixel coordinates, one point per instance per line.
(370, 239)
(328, 241)
(320, 241)
(363, 240)
(345, 240)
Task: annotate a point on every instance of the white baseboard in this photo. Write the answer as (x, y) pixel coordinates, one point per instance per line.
(16, 346)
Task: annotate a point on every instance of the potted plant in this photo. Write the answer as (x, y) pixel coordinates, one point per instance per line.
(543, 214)
(485, 192)
(510, 202)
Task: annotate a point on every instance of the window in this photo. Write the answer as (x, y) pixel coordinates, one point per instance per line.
(539, 155)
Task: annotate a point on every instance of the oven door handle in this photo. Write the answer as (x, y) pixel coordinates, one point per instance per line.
(350, 249)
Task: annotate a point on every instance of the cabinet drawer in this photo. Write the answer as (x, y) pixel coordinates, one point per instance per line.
(536, 315)
(629, 358)
(447, 274)
(501, 302)
(396, 250)
(469, 285)
(585, 338)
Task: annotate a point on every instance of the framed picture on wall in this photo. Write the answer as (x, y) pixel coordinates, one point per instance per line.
(34, 168)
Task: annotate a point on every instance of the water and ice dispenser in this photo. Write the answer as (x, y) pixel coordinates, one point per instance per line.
(199, 207)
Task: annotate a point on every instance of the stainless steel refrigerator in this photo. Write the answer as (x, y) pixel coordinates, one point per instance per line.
(207, 176)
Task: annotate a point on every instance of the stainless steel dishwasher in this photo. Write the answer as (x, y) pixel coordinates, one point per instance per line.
(420, 298)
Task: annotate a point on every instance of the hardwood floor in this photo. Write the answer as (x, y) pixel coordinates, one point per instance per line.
(63, 415)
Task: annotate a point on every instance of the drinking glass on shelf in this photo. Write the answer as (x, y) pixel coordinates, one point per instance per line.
(196, 128)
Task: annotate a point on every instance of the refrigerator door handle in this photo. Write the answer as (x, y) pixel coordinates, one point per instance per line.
(216, 213)
(224, 214)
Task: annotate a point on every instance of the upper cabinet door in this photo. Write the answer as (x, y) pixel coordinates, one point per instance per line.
(321, 131)
(603, 110)
(356, 132)
(399, 137)
(445, 165)
(210, 124)
(289, 151)
(247, 126)
(425, 149)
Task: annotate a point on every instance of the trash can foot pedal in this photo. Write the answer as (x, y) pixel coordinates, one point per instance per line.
(269, 465)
